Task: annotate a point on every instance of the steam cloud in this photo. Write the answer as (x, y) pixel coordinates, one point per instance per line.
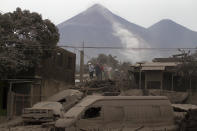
(129, 40)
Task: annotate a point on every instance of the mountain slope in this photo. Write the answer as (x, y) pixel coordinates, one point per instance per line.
(167, 33)
(97, 26)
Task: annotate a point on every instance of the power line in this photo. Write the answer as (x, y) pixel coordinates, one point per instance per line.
(79, 51)
(104, 47)
(47, 47)
(127, 48)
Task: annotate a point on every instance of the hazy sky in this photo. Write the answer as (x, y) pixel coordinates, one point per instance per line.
(141, 12)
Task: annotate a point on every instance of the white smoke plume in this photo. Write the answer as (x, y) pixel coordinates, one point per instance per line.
(129, 40)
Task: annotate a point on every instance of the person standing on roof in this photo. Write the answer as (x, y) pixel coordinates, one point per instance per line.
(98, 71)
(91, 70)
(106, 76)
(102, 71)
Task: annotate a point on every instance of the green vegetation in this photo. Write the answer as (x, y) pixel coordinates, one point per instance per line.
(25, 40)
(111, 61)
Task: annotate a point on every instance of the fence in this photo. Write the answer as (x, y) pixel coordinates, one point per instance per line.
(21, 101)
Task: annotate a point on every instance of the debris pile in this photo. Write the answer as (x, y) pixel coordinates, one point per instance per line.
(25, 128)
(189, 121)
(173, 96)
(100, 87)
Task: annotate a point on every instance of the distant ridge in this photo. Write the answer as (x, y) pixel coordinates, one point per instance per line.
(98, 26)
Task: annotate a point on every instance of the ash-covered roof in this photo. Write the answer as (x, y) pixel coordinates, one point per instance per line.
(156, 65)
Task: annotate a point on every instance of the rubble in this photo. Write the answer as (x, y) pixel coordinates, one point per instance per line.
(184, 107)
(132, 92)
(101, 87)
(186, 116)
(16, 124)
(12, 123)
(68, 98)
(25, 128)
(173, 96)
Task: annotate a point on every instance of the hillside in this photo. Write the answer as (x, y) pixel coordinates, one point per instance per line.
(98, 26)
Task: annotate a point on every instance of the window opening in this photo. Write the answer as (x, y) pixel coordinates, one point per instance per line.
(69, 64)
(62, 101)
(153, 84)
(92, 112)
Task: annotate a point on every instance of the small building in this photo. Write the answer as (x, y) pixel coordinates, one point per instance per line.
(161, 73)
(155, 75)
(56, 73)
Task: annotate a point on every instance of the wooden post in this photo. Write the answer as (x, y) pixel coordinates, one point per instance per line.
(32, 97)
(10, 102)
(81, 65)
(140, 79)
(161, 81)
(145, 80)
(140, 73)
(172, 88)
(190, 86)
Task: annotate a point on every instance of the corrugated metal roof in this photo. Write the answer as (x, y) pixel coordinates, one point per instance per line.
(157, 65)
(153, 68)
(153, 64)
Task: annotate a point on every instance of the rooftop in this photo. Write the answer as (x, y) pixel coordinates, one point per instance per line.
(157, 65)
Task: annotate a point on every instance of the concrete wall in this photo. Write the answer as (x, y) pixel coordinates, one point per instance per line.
(153, 77)
(60, 66)
(192, 98)
(51, 86)
(3, 119)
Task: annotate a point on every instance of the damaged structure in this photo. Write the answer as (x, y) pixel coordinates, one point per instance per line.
(32, 86)
(161, 73)
(163, 76)
(156, 75)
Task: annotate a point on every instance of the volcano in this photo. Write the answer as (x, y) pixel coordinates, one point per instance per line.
(97, 26)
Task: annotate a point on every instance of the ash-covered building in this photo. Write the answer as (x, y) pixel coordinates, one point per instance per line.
(56, 73)
(163, 74)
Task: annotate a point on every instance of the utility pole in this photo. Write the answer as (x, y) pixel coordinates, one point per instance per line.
(81, 64)
(140, 72)
(10, 102)
(140, 78)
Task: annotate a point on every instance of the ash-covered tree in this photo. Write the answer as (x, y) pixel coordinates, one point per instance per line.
(111, 61)
(25, 39)
(106, 59)
(187, 70)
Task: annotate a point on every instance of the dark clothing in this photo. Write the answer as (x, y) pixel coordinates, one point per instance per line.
(98, 72)
(91, 74)
(97, 69)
